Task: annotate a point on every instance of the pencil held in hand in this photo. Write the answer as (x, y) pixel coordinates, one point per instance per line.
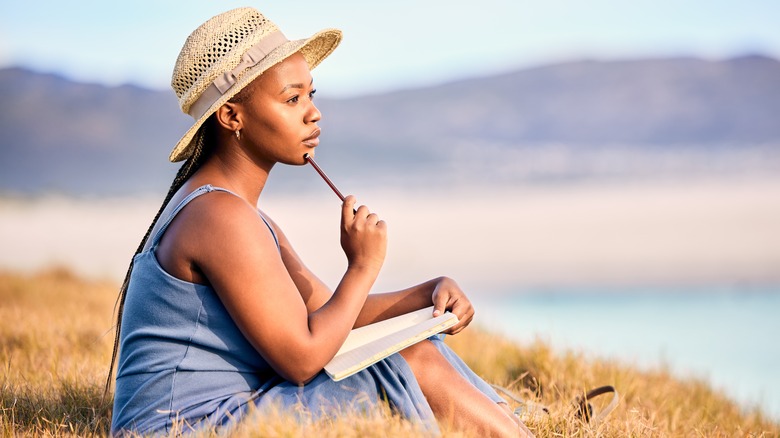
(310, 160)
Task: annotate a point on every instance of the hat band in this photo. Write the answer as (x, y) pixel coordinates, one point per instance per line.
(223, 82)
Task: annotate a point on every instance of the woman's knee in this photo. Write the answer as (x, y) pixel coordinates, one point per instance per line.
(424, 357)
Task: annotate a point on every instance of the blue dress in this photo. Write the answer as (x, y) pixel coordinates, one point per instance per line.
(183, 360)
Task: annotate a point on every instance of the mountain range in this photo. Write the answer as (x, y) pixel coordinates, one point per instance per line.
(579, 119)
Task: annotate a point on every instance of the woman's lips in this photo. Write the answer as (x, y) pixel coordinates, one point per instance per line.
(312, 140)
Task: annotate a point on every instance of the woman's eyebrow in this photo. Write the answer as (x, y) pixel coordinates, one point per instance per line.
(288, 86)
(299, 85)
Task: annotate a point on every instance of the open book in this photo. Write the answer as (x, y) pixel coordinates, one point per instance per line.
(369, 344)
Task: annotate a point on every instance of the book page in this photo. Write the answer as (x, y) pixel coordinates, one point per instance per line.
(384, 338)
(371, 332)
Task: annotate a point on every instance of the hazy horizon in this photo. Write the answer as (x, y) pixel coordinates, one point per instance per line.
(609, 235)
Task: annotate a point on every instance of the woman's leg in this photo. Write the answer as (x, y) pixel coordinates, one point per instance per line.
(454, 400)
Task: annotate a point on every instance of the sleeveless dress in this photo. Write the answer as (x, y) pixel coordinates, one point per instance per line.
(184, 361)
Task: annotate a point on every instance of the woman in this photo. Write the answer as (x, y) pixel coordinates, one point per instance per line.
(218, 313)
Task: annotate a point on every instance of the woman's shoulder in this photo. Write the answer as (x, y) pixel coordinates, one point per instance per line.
(211, 228)
(217, 209)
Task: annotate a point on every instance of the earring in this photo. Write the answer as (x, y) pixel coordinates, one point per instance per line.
(238, 134)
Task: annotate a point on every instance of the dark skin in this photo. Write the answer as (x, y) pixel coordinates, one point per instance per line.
(237, 256)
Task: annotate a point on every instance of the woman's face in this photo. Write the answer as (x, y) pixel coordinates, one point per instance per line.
(279, 119)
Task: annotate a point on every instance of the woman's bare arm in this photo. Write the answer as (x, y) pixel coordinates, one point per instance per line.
(378, 306)
(240, 260)
(442, 292)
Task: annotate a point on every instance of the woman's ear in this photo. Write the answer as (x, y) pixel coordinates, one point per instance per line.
(229, 117)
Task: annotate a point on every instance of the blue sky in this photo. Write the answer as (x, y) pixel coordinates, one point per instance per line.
(388, 45)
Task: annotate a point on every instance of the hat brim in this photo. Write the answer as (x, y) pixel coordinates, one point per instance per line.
(314, 50)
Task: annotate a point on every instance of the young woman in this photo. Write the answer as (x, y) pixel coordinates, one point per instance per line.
(218, 314)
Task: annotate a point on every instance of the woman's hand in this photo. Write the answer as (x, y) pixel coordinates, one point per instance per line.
(447, 295)
(363, 236)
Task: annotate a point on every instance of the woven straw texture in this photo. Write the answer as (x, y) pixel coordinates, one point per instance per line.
(217, 47)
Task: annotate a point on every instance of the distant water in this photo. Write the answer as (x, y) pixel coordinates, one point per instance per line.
(728, 336)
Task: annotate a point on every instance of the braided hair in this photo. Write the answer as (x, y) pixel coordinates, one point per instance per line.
(203, 143)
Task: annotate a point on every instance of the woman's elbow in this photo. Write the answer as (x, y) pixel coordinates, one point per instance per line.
(299, 363)
(299, 374)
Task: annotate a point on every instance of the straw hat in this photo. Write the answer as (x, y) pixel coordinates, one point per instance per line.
(224, 55)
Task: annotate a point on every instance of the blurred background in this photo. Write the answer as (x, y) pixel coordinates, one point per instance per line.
(602, 175)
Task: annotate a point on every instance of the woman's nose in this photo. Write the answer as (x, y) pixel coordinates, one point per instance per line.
(313, 114)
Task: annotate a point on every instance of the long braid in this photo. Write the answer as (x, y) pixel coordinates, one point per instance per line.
(189, 167)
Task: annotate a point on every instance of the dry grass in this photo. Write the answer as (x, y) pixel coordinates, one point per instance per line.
(653, 403)
(55, 343)
(54, 347)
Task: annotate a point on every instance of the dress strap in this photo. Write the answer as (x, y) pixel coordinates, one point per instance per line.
(273, 233)
(208, 188)
(195, 193)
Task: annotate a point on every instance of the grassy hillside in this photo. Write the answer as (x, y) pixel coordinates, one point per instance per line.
(55, 343)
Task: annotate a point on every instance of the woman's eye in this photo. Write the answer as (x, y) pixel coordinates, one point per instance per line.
(311, 93)
(293, 99)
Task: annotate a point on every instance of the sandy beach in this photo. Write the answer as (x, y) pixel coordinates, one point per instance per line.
(493, 240)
